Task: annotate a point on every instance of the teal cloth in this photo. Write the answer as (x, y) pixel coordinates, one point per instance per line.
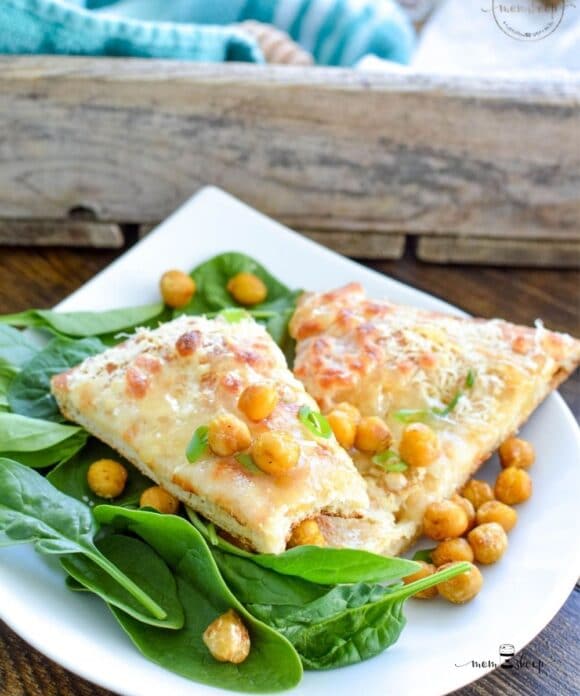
(336, 32)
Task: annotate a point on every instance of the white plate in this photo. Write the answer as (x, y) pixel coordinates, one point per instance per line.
(520, 596)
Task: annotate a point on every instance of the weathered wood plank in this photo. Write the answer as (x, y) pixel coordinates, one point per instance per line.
(316, 148)
(552, 253)
(73, 233)
(361, 245)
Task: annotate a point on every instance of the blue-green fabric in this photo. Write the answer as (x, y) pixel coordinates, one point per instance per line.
(337, 32)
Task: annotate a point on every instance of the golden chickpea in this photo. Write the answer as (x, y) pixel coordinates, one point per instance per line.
(516, 452)
(513, 486)
(444, 520)
(424, 571)
(477, 492)
(306, 533)
(468, 507)
(419, 445)
(372, 435)
(227, 435)
(227, 638)
(349, 409)
(247, 289)
(494, 511)
(275, 452)
(177, 288)
(343, 427)
(452, 550)
(463, 587)
(488, 541)
(258, 401)
(159, 499)
(107, 478)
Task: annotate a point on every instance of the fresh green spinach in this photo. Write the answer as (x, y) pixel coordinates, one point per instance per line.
(70, 477)
(322, 565)
(272, 664)
(15, 348)
(37, 438)
(211, 278)
(85, 324)
(29, 392)
(139, 562)
(32, 511)
(58, 454)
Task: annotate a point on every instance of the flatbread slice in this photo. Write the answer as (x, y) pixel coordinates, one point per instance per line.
(147, 396)
(475, 382)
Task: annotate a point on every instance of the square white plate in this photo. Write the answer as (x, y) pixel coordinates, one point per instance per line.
(435, 653)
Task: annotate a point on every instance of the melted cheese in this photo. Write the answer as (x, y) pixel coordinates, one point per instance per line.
(384, 358)
(147, 396)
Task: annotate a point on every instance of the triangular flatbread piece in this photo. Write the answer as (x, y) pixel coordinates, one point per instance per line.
(147, 396)
(474, 381)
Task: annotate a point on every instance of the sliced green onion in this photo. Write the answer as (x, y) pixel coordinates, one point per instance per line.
(248, 463)
(233, 315)
(450, 406)
(212, 534)
(390, 461)
(315, 422)
(470, 379)
(423, 555)
(412, 415)
(198, 444)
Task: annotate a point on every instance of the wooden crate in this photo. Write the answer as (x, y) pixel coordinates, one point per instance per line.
(478, 169)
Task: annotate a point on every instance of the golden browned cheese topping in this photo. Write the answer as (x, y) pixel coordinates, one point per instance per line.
(147, 396)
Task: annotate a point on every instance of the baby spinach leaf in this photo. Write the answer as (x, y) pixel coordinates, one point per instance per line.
(32, 511)
(323, 565)
(83, 324)
(198, 444)
(56, 454)
(70, 477)
(272, 664)
(21, 434)
(137, 561)
(423, 555)
(15, 348)
(29, 392)
(212, 296)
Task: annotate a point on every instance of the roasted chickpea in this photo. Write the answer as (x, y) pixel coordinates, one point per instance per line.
(372, 435)
(513, 486)
(107, 478)
(247, 289)
(227, 435)
(177, 288)
(227, 638)
(463, 587)
(488, 541)
(351, 410)
(419, 445)
(468, 507)
(516, 452)
(452, 550)
(477, 492)
(160, 499)
(343, 427)
(258, 401)
(306, 533)
(275, 452)
(494, 511)
(424, 571)
(444, 520)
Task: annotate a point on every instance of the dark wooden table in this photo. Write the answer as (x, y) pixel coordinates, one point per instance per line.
(42, 277)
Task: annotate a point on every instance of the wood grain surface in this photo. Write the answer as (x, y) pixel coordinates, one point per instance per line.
(42, 277)
(317, 148)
